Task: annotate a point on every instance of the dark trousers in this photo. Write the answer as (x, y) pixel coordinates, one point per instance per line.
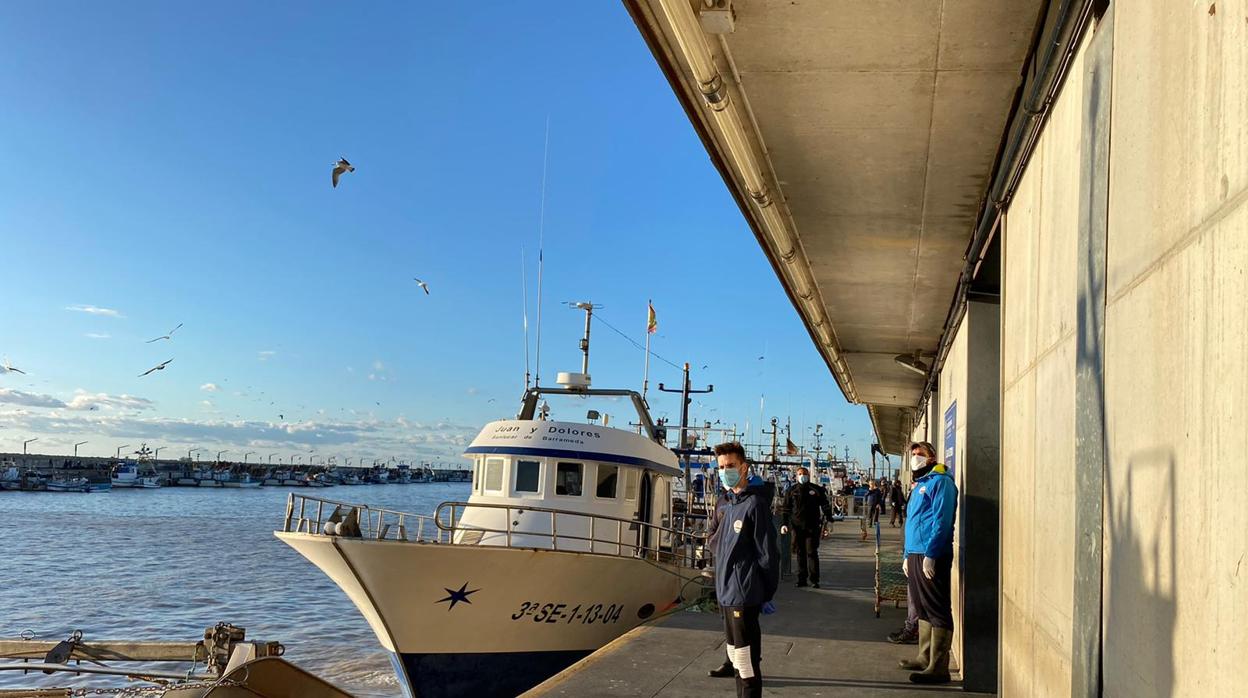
(898, 513)
(806, 545)
(744, 641)
(930, 597)
(874, 517)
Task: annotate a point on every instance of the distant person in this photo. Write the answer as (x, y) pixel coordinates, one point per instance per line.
(929, 558)
(806, 512)
(897, 498)
(874, 503)
(747, 566)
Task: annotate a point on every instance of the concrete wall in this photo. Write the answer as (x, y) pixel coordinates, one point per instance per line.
(1038, 319)
(1174, 589)
(1176, 374)
(969, 385)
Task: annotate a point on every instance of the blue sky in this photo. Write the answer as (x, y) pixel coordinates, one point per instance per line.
(169, 162)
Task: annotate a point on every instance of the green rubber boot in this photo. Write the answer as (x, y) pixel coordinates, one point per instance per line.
(937, 670)
(920, 661)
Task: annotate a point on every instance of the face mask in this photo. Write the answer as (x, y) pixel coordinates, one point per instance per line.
(803, 479)
(917, 462)
(730, 477)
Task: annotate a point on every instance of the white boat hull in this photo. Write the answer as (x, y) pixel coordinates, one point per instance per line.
(521, 615)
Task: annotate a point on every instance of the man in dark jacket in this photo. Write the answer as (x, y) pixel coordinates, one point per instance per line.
(806, 512)
(897, 497)
(747, 566)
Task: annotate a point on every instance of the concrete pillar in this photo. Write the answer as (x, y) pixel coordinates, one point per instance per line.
(980, 497)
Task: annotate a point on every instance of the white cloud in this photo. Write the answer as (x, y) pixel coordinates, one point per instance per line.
(206, 403)
(267, 354)
(97, 335)
(94, 310)
(17, 397)
(473, 390)
(83, 400)
(209, 387)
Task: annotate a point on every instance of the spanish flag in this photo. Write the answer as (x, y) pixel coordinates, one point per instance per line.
(652, 320)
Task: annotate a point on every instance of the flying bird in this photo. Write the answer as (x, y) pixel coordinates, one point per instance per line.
(761, 358)
(8, 368)
(159, 367)
(281, 417)
(167, 336)
(423, 285)
(339, 167)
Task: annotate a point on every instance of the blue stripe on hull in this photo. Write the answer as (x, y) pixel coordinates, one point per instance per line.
(480, 675)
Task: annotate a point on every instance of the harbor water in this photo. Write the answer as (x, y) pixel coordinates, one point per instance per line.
(165, 564)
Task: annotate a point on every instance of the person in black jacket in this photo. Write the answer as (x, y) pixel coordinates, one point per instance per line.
(897, 498)
(747, 566)
(806, 512)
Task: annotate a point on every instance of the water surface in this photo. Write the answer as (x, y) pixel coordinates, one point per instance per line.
(165, 564)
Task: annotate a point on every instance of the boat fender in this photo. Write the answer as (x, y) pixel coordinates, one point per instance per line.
(329, 527)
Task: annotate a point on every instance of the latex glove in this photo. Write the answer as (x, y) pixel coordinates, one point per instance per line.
(784, 530)
(905, 566)
(769, 608)
(929, 567)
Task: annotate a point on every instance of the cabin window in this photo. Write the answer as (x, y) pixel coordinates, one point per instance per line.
(494, 474)
(631, 477)
(607, 476)
(476, 475)
(568, 479)
(528, 476)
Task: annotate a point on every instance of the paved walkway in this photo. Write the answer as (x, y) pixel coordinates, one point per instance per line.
(821, 642)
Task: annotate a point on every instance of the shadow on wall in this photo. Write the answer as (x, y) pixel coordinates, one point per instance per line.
(1141, 578)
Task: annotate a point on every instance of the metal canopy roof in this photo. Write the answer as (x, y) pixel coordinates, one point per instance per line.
(858, 137)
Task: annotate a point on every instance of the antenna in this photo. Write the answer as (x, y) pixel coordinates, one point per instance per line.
(524, 286)
(541, 238)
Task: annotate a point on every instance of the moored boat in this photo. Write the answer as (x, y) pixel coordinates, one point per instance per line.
(566, 542)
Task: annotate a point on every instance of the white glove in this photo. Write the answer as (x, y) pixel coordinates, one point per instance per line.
(784, 530)
(929, 567)
(905, 566)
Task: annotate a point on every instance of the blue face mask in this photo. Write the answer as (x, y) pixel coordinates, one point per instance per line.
(803, 479)
(730, 477)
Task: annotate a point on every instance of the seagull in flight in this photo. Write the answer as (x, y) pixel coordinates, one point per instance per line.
(423, 285)
(166, 336)
(159, 367)
(339, 167)
(8, 368)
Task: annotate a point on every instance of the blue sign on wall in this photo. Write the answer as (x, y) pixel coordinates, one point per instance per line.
(951, 437)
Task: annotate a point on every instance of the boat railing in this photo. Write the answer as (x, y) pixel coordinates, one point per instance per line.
(305, 514)
(570, 531)
(595, 533)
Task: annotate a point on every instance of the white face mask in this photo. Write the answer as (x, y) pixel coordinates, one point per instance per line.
(917, 462)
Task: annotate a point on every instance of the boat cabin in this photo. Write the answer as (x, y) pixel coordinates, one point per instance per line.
(538, 483)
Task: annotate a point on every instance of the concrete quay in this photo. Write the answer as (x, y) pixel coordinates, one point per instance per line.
(820, 642)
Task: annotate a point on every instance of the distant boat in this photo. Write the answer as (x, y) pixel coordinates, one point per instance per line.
(229, 478)
(136, 475)
(10, 476)
(73, 484)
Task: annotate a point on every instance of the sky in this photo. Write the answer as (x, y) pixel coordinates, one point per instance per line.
(169, 163)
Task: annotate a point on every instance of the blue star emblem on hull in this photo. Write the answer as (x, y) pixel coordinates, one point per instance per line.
(457, 596)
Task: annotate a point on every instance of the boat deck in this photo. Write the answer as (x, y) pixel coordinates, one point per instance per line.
(821, 642)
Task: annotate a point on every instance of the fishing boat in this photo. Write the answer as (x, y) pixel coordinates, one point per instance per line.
(565, 543)
(349, 478)
(140, 474)
(70, 485)
(10, 476)
(237, 479)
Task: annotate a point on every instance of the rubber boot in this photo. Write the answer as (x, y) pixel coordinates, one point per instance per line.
(924, 657)
(937, 670)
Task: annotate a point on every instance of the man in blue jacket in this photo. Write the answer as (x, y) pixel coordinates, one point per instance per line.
(929, 562)
(747, 566)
